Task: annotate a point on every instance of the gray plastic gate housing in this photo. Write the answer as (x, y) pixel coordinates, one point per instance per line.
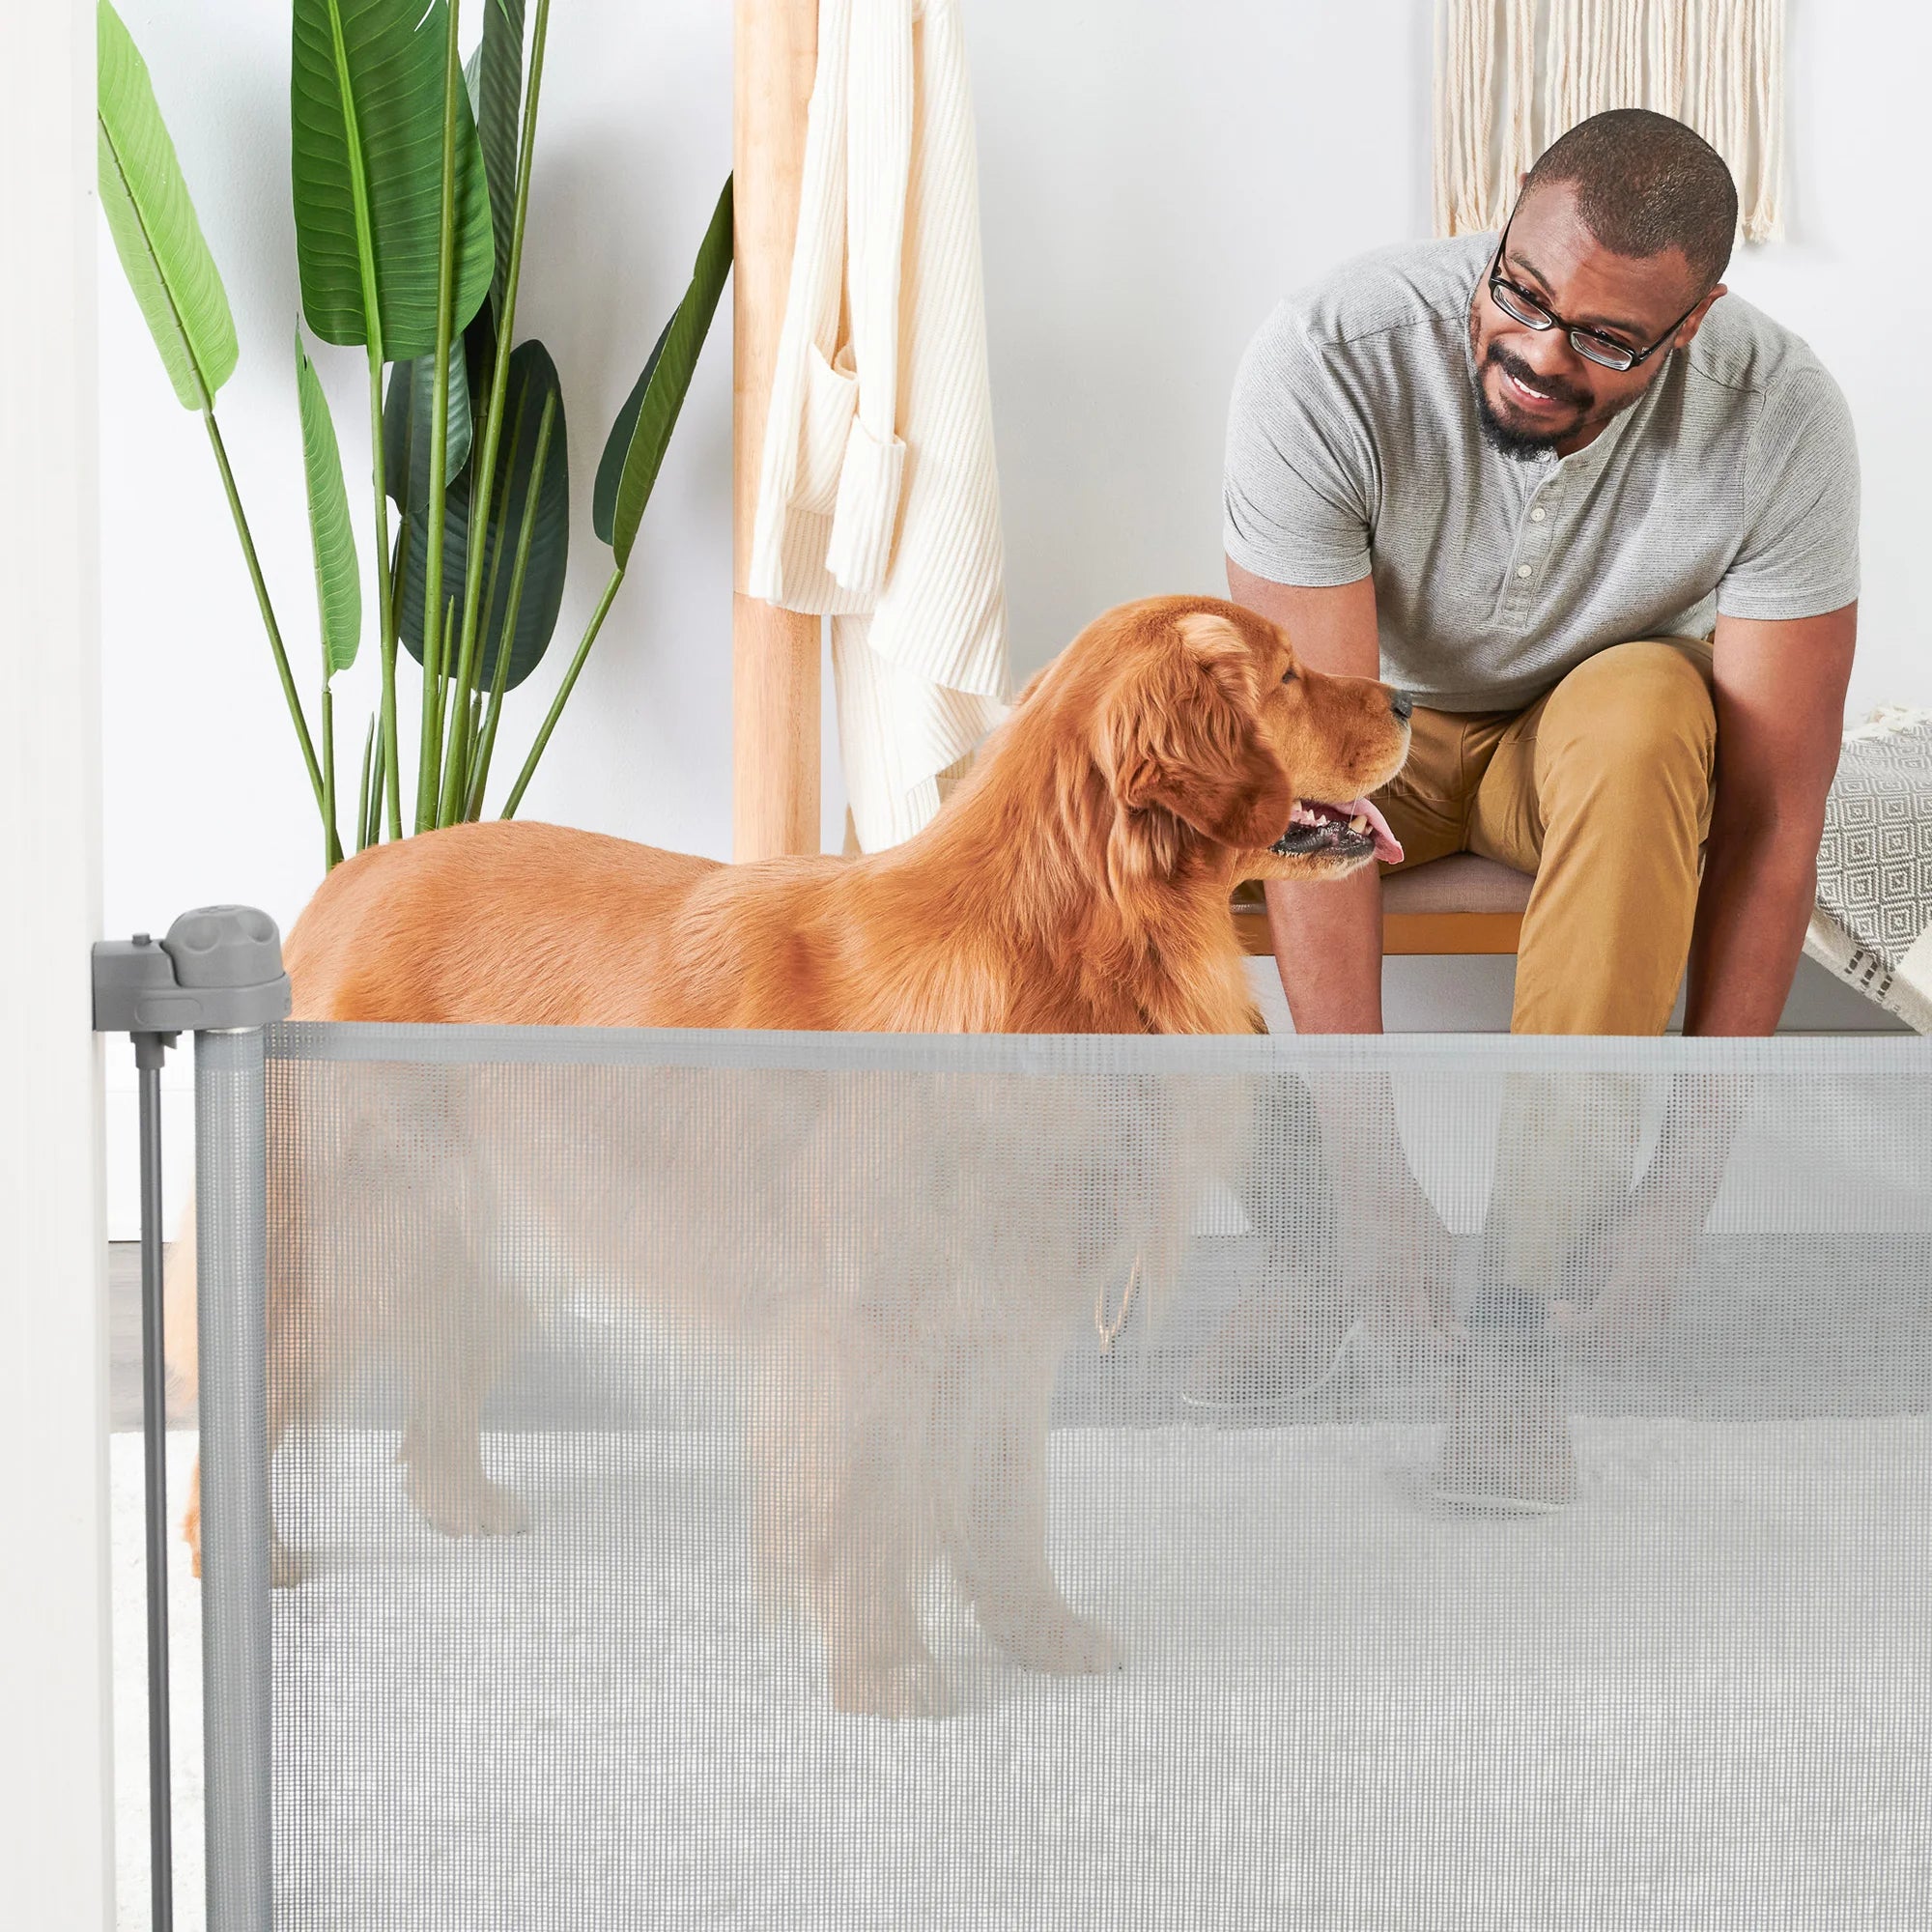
(219, 967)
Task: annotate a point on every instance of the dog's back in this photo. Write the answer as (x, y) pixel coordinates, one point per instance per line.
(499, 924)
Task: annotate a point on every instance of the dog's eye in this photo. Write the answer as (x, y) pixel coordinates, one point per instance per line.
(1287, 676)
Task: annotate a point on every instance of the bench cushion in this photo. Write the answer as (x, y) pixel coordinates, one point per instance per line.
(1459, 883)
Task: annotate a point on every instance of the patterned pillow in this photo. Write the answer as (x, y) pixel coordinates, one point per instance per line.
(1873, 925)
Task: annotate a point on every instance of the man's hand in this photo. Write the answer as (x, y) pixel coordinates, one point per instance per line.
(1781, 697)
(1393, 1249)
(1651, 1239)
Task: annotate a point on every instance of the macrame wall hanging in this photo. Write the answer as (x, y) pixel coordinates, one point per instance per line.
(1511, 75)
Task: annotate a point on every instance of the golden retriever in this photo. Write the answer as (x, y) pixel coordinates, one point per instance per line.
(1077, 881)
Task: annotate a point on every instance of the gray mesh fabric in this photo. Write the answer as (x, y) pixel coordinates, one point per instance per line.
(231, 1241)
(715, 1504)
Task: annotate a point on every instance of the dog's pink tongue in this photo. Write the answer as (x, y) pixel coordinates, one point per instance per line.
(1388, 848)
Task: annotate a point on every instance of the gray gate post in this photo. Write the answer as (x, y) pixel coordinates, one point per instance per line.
(218, 974)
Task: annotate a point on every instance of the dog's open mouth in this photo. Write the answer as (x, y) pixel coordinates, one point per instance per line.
(1352, 831)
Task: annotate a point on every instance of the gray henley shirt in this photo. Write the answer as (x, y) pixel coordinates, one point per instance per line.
(1354, 450)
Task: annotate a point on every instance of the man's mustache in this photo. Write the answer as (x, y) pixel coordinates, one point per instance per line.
(1557, 390)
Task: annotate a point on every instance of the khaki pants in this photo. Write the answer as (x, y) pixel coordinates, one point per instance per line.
(1603, 789)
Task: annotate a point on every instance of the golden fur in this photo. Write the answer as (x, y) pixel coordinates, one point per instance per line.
(1076, 882)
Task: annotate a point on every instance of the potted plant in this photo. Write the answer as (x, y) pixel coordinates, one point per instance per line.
(411, 177)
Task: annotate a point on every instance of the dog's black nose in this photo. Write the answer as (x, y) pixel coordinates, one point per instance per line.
(1402, 705)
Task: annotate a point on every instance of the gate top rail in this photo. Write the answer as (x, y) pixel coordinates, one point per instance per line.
(1790, 1057)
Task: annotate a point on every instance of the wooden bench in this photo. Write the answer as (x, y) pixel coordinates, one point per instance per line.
(1458, 904)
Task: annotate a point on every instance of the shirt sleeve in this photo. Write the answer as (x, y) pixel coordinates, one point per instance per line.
(1799, 555)
(1295, 503)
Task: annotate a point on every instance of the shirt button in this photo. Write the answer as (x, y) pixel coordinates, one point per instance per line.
(1522, 570)
(1536, 515)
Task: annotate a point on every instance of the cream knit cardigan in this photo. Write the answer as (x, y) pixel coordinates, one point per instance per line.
(879, 501)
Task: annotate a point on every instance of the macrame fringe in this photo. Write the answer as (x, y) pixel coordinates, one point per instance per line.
(1465, 52)
(1519, 73)
(1718, 65)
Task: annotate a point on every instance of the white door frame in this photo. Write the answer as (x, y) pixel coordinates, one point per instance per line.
(56, 1768)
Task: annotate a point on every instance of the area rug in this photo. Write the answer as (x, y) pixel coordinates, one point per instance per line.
(1694, 1699)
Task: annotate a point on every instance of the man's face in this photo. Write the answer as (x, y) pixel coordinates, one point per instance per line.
(1534, 392)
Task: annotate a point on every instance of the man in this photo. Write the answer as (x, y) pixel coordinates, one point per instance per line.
(1602, 522)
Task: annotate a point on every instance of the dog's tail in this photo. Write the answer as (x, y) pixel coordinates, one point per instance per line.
(180, 1304)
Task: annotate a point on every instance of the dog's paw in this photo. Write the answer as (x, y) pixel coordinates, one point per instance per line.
(914, 1688)
(1052, 1636)
(474, 1506)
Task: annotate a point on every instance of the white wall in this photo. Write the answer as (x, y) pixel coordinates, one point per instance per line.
(56, 1762)
(206, 794)
(1154, 177)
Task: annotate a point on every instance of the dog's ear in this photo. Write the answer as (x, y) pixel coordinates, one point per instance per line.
(1180, 734)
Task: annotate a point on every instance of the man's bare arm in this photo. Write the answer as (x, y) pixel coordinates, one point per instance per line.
(1328, 936)
(1394, 1249)
(1781, 697)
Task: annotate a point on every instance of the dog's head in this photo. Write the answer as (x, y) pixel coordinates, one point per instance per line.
(1209, 731)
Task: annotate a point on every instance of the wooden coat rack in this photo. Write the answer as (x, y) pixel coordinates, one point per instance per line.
(775, 653)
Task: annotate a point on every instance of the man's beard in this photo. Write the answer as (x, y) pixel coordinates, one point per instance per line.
(1522, 446)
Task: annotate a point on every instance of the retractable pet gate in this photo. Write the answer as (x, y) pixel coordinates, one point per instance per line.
(743, 1327)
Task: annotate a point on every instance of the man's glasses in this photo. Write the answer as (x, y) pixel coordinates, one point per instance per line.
(1592, 344)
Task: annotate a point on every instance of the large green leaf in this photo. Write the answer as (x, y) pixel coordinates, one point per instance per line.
(409, 417)
(532, 379)
(408, 414)
(366, 112)
(499, 94)
(338, 583)
(617, 444)
(634, 450)
(154, 224)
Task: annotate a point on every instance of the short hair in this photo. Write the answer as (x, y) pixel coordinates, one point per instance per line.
(1645, 183)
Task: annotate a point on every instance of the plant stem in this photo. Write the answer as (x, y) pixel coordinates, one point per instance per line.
(483, 476)
(445, 274)
(399, 578)
(432, 692)
(373, 831)
(362, 792)
(372, 330)
(479, 776)
(268, 623)
(331, 845)
(436, 636)
(426, 762)
(462, 742)
(383, 601)
(498, 683)
(563, 692)
(429, 749)
(446, 728)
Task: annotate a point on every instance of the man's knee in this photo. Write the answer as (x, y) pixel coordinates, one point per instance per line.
(1633, 723)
